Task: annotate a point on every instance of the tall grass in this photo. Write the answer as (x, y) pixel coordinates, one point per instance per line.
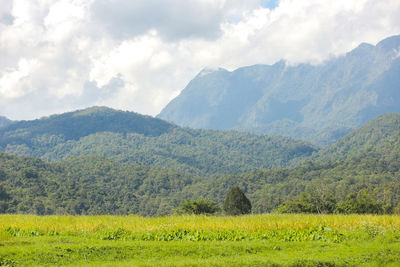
(250, 223)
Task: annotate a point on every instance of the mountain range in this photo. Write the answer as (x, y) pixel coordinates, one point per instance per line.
(318, 103)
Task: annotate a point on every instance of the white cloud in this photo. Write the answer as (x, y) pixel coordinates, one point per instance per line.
(173, 19)
(59, 55)
(15, 82)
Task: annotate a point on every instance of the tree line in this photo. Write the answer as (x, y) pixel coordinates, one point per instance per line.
(95, 185)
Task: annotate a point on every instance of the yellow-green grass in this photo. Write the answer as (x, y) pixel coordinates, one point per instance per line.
(249, 223)
(263, 240)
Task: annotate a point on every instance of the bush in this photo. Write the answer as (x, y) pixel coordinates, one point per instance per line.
(310, 203)
(363, 202)
(201, 206)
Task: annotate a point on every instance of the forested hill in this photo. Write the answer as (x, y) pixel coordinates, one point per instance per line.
(368, 158)
(130, 137)
(95, 185)
(320, 103)
(366, 161)
(77, 124)
(378, 138)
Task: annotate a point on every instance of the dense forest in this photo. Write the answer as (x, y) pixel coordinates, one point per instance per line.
(268, 189)
(365, 164)
(94, 185)
(86, 185)
(128, 137)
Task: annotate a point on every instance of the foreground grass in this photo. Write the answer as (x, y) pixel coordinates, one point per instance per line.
(264, 240)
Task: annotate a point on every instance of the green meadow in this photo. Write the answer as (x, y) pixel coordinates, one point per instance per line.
(253, 240)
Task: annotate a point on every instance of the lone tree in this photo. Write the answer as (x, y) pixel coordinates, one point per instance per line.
(236, 203)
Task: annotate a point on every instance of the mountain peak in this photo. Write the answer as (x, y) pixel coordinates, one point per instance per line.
(4, 121)
(390, 43)
(362, 49)
(93, 110)
(209, 70)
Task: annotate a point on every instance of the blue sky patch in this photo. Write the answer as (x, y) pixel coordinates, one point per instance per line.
(270, 4)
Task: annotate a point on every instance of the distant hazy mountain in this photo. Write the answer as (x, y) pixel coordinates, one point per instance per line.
(318, 103)
(4, 121)
(134, 138)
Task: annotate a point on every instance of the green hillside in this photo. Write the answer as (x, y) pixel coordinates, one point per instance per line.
(143, 140)
(366, 160)
(77, 124)
(378, 138)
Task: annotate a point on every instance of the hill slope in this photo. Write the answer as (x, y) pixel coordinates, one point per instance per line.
(367, 158)
(77, 124)
(130, 137)
(318, 103)
(378, 138)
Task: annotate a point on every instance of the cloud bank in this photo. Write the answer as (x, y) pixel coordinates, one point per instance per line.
(59, 55)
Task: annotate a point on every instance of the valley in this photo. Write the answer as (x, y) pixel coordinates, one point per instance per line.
(307, 158)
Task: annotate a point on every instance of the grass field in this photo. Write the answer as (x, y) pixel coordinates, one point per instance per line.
(255, 240)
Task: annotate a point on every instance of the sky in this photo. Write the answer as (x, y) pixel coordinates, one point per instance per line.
(62, 55)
